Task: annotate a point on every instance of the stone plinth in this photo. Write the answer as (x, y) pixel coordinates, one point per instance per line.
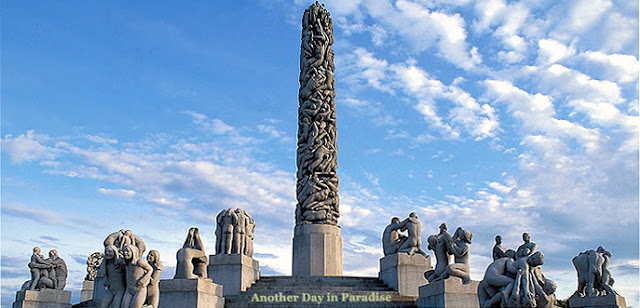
(317, 250)
(450, 292)
(234, 272)
(192, 293)
(404, 273)
(47, 298)
(605, 301)
(87, 291)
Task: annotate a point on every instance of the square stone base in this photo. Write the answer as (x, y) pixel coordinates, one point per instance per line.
(450, 292)
(234, 272)
(605, 301)
(87, 291)
(404, 273)
(47, 298)
(317, 250)
(192, 293)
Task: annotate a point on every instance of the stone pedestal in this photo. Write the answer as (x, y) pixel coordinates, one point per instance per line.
(450, 292)
(404, 273)
(87, 291)
(605, 301)
(192, 293)
(234, 272)
(317, 250)
(47, 298)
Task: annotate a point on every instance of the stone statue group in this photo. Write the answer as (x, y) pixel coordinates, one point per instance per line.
(131, 281)
(234, 232)
(50, 273)
(513, 279)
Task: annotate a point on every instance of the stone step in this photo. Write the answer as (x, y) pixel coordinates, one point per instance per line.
(280, 291)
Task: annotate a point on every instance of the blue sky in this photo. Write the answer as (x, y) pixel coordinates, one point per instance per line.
(499, 116)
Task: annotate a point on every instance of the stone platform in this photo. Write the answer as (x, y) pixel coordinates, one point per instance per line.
(312, 291)
(606, 301)
(190, 293)
(234, 272)
(404, 273)
(317, 250)
(450, 292)
(47, 298)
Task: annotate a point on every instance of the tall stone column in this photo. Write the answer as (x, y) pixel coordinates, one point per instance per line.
(317, 243)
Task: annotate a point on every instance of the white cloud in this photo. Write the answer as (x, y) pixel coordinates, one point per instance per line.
(551, 51)
(28, 147)
(119, 192)
(563, 82)
(98, 139)
(615, 67)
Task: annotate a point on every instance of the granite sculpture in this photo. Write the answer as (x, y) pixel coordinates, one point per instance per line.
(234, 233)
(131, 281)
(192, 260)
(317, 239)
(594, 277)
(498, 251)
(393, 241)
(50, 273)
(444, 245)
(93, 263)
(317, 181)
(516, 280)
(153, 289)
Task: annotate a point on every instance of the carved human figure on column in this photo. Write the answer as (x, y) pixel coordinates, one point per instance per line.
(317, 182)
(192, 260)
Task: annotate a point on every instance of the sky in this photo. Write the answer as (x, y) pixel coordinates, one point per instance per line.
(501, 117)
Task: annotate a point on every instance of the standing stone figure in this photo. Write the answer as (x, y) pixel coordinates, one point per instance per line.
(234, 232)
(39, 268)
(153, 289)
(93, 263)
(192, 260)
(58, 273)
(138, 274)
(130, 280)
(317, 181)
(594, 278)
(438, 243)
(115, 282)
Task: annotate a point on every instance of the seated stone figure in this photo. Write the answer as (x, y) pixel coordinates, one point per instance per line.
(391, 238)
(394, 242)
(192, 260)
(438, 243)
